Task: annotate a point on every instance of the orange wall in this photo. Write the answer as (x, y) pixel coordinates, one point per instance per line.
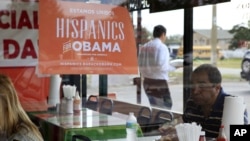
(32, 90)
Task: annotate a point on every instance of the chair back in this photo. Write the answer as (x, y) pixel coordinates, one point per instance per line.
(106, 106)
(162, 117)
(80, 137)
(92, 102)
(144, 118)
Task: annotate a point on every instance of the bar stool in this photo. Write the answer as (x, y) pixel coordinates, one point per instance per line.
(163, 117)
(144, 118)
(106, 106)
(92, 102)
(80, 137)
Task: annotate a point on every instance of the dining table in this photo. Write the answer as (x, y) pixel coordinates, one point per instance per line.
(97, 126)
(146, 138)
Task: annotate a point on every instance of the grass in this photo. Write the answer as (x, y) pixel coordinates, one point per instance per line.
(226, 63)
(234, 63)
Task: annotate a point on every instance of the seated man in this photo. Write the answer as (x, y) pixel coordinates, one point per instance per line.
(205, 105)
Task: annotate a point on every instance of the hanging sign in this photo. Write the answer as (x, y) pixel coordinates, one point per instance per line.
(18, 34)
(19, 52)
(85, 38)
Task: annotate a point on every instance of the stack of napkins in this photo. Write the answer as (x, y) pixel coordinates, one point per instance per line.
(69, 91)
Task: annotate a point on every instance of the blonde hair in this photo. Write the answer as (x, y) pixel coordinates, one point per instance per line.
(13, 115)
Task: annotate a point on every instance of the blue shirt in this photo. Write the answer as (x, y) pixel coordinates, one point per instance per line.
(211, 124)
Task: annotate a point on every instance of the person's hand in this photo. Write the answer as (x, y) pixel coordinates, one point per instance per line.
(169, 130)
(168, 138)
(168, 134)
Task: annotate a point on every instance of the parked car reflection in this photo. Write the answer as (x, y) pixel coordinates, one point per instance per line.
(245, 66)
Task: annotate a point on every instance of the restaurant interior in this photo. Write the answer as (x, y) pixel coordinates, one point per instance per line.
(48, 78)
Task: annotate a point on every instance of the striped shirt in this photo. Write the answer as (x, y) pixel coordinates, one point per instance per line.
(211, 124)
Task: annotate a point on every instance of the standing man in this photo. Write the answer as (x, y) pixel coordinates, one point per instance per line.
(154, 67)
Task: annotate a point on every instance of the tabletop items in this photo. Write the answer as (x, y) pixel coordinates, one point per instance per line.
(66, 105)
(69, 103)
(96, 125)
(233, 112)
(202, 136)
(54, 90)
(222, 135)
(188, 131)
(77, 104)
(69, 91)
(182, 132)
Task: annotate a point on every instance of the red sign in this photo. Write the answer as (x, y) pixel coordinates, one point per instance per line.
(19, 52)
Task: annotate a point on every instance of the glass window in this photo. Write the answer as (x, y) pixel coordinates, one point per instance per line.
(225, 17)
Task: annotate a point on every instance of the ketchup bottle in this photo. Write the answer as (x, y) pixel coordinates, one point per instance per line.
(202, 136)
(222, 135)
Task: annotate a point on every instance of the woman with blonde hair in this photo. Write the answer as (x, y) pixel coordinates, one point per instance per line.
(15, 125)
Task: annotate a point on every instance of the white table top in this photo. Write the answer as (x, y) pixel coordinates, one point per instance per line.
(148, 138)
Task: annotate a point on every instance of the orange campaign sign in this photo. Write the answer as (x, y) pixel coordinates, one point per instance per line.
(85, 38)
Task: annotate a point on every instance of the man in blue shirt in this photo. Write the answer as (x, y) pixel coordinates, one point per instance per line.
(205, 105)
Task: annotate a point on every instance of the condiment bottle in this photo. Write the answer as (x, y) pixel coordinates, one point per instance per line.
(202, 136)
(222, 135)
(77, 103)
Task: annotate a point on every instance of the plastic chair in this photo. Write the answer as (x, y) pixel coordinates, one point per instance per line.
(92, 102)
(112, 95)
(144, 118)
(163, 117)
(80, 137)
(106, 106)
